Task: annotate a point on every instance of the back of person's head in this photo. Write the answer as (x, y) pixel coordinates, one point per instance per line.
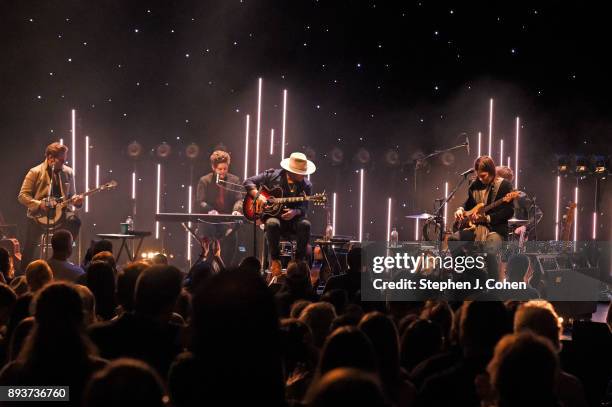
(318, 316)
(8, 298)
(539, 317)
(61, 243)
(126, 283)
(237, 337)
(338, 298)
(125, 383)
(251, 264)
(347, 347)
(5, 261)
(38, 274)
(382, 332)
(482, 324)
(298, 278)
(107, 257)
(89, 304)
(102, 246)
(421, 340)
(517, 267)
(345, 387)
(353, 258)
(441, 314)
(157, 290)
(198, 274)
(524, 371)
(297, 344)
(58, 306)
(160, 258)
(101, 281)
(297, 307)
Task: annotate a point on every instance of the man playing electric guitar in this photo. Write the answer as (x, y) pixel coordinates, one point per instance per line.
(35, 191)
(491, 227)
(291, 179)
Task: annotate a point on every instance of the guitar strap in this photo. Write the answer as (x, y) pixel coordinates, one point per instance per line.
(496, 184)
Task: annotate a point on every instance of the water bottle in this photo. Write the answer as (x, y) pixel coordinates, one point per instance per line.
(130, 224)
(394, 238)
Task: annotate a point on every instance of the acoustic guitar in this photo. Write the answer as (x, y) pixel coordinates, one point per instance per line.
(275, 203)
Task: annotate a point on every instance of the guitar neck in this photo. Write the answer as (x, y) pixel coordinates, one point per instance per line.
(493, 205)
(293, 199)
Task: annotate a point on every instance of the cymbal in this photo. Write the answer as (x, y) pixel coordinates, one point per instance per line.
(424, 215)
(517, 222)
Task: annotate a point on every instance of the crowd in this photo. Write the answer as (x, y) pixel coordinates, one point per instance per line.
(149, 334)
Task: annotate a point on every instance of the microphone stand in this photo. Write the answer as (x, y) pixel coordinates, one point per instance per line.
(420, 161)
(438, 214)
(45, 250)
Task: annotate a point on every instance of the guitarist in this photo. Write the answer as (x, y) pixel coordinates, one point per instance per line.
(35, 190)
(492, 227)
(291, 178)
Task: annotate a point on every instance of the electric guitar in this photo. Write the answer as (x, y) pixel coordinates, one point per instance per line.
(480, 208)
(275, 202)
(57, 207)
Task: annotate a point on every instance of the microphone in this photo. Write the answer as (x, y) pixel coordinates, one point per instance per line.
(216, 178)
(467, 172)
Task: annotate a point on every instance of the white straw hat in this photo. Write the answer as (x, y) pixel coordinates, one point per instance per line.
(297, 163)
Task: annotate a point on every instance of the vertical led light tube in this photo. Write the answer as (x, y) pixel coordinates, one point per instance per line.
(86, 172)
(284, 123)
(246, 148)
(157, 199)
(490, 126)
(271, 141)
(388, 219)
(361, 205)
(557, 209)
(516, 155)
(334, 215)
(257, 133)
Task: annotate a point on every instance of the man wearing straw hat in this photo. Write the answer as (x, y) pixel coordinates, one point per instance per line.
(291, 178)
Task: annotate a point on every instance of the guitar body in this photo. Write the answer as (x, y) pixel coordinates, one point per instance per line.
(269, 210)
(466, 223)
(57, 209)
(56, 216)
(481, 209)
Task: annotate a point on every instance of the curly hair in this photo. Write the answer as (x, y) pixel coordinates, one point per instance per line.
(219, 157)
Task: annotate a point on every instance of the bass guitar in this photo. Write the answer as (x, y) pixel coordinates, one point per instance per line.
(57, 207)
(275, 202)
(481, 209)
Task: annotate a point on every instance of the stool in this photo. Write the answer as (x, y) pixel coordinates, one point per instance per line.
(287, 253)
(45, 244)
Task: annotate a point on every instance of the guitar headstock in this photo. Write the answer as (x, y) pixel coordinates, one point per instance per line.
(109, 185)
(319, 199)
(511, 195)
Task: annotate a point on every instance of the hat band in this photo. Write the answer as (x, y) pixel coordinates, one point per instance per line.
(298, 164)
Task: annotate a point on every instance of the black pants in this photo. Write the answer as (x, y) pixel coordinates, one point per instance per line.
(34, 231)
(275, 228)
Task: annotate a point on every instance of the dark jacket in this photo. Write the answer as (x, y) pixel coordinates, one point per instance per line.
(277, 178)
(208, 190)
(501, 214)
(524, 208)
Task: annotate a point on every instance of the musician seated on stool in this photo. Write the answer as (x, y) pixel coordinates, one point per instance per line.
(35, 190)
(524, 208)
(492, 227)
(291, 179)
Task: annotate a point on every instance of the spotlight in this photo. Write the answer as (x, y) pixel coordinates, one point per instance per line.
(447, 158)
(363, 156)
(600, 165)
(392, 158)
(336, 156)
(134, 149)
(310, 153)
(563, 165)
(192, 151)
(163, 150)
(582, 165)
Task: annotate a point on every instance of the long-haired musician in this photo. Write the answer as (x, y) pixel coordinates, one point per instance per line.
(491, 227)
